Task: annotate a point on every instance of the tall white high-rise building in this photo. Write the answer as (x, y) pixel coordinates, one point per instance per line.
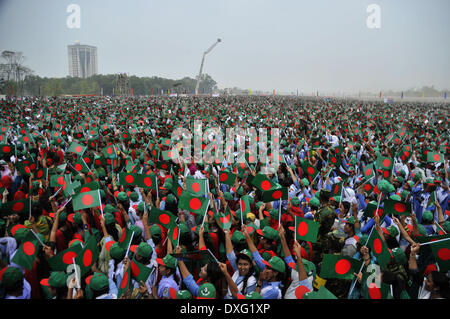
(82, 60)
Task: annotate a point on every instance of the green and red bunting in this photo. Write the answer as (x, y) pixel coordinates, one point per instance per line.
(27, 252)
(195, 204)
(226, 177)
(262, 182)
(109, 151)
(197, 186)
(139, 271)
(339, 267)
(275, 194)
(306, 229)
(433, 157)
(128, 179)
(7, 149)
(81, 166)
(86, 200)
(88, 256)
(379, 249)
(161, 217)
(18, 207)
(368, 172)
(125, 284)
(77, 149)
(441, 253)
(396, 207)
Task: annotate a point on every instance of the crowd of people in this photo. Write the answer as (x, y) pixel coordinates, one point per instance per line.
(243, 245)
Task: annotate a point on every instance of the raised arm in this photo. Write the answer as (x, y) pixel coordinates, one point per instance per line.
(231, 284)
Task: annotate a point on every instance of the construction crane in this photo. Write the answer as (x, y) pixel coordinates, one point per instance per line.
(201, 66)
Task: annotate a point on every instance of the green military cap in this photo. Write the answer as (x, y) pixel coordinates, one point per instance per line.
(237, 237)
(116, 251)
(12, 277)
(168, 261)
(399, 255)
(250, 295)
(136, 230)
(305, 182)
(57, 279)
(171, 199)
(314, 201)
(270, 233)
(109, 218)
(155, 231)
(207, 291)
(98, 281)
(122, 196)
(141, 207)
(228, 196)
(144, 250)
(276, 263)
(395, 197)
(183, 294)
(427, 216)
(77, 218)
(295, 201)
(109, 209)
(134, 197)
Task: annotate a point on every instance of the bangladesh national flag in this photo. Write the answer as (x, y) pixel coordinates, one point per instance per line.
(56, 180)
(441, 253)
(244, 205)
(128, 179)
(170, 155)
(368, 172)
(224, 219)
(379, 249)
(125, 283)
(88, 257)
(163, 165)
(81, 166)
(173, 234)
(195, 204)
(335, 159)
(336, 189)
(88, 187)
(433, 157)
(161, 217)
(125, 239)
(275, 194)
(197, 186)
(147, 181)
(306, 229)
(227, 177)
(385, 164)
(27, 252)
(371, 210)
(177, 189)
(18, 207)
(372, 290)
(262, 182)
(396, 207)
(139, 271)
(110, 151)
(426, 239)
(202, 256)
(42, 173)
(86, 200)
(63, 259)
(310, 170)
(7, 149)
(406, 153)
(77, 149)
(339, 267)
(25, 167)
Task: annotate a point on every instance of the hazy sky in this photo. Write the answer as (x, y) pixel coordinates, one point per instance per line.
(286, 45)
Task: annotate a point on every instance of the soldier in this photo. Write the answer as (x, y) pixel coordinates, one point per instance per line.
(325, 216)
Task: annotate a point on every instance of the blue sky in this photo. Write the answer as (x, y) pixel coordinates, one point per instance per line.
(285, 45)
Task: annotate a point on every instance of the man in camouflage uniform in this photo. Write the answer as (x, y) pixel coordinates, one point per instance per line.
(325, 217)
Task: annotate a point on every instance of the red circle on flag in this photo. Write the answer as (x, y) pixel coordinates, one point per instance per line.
(85, 189)
(170, 154)
(444, 254)
(406, 153)
(368, 171)
(378, 212)
(87, 200)
(78, 149)
(300, 291)
(367, 187)
(87, 258)
(374, 291)
(28, 248)
(148, 181)
(386, 162)
(26, 139)
(225, 220)
(129, 179)
(68, 257)
(265, 185)
(134, 269)
(6, 149)
(302, 229)
(436, 157)
(39, 174)
(310, 170)
(164, 219)
(386, 174)
(60, 180)
(377, 246)
(243, 205)
(87, 160)
(223, 177)
(196, 187)
(109, 150)
(164, 166)
(334, 161)
(342, 266)
(277, 194)
(175, 233)
(167, 142)
(251, 159)
(78, 167)
(179, 191)
(195, 203)
(124, 280)
(97, 162)
(17, 207)
(399, 207)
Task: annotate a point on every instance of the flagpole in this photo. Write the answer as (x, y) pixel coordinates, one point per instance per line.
(435, 241)
(76, 272)
(37, 237)
(242, 219)
(129, 244)
(100, 199)
(279, 213)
